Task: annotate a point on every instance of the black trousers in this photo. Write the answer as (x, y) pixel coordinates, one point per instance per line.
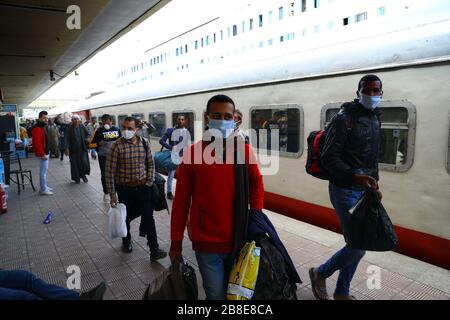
(138, 202)
(102, 163)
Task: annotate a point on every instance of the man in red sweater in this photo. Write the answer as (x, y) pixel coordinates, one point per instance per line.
(204, 200)
(41, 150)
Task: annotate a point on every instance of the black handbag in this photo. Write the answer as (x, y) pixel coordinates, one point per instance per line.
(178, 282)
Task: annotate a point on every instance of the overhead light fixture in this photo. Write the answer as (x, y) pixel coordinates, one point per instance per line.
(52, 75)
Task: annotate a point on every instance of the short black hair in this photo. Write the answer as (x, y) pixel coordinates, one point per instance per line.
(220, 98)
(130, 119)
(42, 113)
(369, 77)
(106, 117)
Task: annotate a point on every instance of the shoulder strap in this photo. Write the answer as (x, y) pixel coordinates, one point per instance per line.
(144, 143)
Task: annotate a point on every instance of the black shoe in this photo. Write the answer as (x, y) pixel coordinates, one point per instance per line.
(157, 254)
(85, 179)
(127, 247)
(77, 181)
(170, 196)
(94, 294)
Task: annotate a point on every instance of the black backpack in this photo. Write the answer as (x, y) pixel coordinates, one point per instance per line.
(158, 196)
(316, 140)
(273, 282)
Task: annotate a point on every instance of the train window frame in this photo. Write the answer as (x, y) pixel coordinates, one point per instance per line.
(301, 136)
(410, 125)
(185, 111)
(165, 124)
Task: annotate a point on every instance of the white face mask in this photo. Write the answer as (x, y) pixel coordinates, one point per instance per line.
(128, 134)
(107, 126)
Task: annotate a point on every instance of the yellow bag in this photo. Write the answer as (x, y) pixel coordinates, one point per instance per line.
(244, 274)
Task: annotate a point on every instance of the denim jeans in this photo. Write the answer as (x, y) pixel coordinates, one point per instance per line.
(43, 173)
(23, 285)
(215, 269)
(345, 260)
(170, 176)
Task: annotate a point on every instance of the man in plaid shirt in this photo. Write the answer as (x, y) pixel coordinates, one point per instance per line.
(130, 171)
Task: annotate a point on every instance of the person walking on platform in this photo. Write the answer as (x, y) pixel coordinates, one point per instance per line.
(206, 195)
(350, 155)
(130, 170)
(238, 116)
(172, 142)
(52, 133)
(59, 121)
(41, 150)
(77, 139)
(92, 126)
(23, 285)
(104, 138)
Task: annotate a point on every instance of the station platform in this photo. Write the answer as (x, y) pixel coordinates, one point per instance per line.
(78, 236)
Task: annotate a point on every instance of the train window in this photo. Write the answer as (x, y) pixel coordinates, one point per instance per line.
(121, 117)
(138, 116)
(288, 119)
(190, 117)
(398, 126)
(361, 17)
(113, 120)
(157, 120)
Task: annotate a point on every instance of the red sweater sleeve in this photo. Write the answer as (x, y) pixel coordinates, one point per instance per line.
(255, 182)
(181, 205)
(38, 141)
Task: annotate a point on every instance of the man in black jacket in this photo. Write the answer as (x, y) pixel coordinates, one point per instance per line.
(350, 155)
(103, 139)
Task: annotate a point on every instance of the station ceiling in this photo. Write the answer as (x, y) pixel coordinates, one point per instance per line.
(35, 38)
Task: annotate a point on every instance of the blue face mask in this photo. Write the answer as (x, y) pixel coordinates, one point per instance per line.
(369, 102)
(226, 127)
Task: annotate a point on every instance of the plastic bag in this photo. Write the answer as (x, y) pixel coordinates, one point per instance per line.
(117, 225)
(369, 225)
(244, 274)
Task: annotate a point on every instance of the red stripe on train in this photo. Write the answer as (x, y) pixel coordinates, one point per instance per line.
(416, 244)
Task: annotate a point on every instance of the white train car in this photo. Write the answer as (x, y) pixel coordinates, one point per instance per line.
(306, 85)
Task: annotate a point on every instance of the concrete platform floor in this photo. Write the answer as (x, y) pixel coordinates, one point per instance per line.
(78, 236)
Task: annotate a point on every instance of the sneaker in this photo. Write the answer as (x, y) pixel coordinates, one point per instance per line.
(157, 254)
(85, 179)
(94, 294)
(106, 198)
(46, 193)
(49, 189)
(318, 285)
(170, 196)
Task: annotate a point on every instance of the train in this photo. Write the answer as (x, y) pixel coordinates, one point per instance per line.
(305, 88)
